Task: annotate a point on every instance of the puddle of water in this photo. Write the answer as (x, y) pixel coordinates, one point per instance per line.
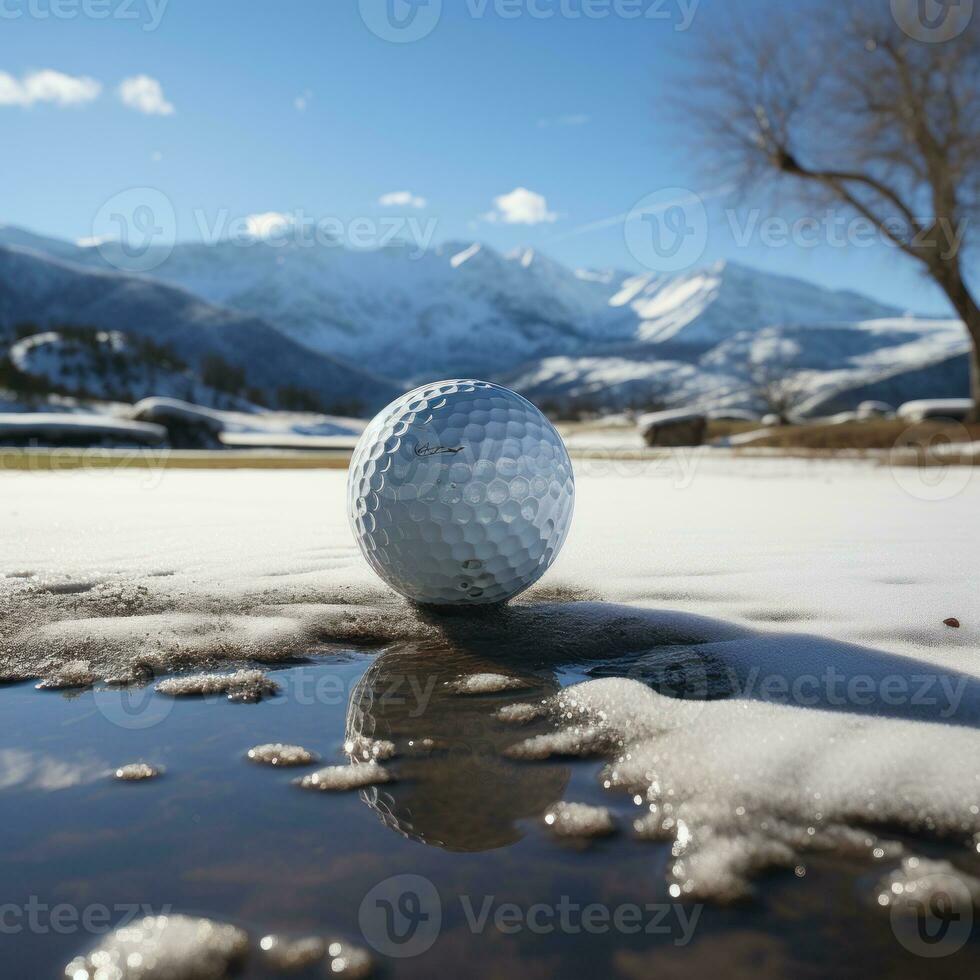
(491, 891)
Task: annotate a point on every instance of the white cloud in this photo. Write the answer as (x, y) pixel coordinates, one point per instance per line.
(302, 102)
(520, 207)
(268, 224)
(402, 199)
(47, 86)
(572, 119)
(145, 94)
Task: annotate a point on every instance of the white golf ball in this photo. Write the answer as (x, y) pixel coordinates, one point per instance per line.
(460, 492)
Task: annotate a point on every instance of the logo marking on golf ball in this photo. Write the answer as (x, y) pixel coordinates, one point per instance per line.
(460, 492)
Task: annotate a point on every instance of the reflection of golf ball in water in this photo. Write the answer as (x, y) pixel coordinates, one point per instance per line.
(460, 492)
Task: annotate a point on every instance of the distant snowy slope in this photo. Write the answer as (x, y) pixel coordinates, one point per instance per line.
(456, 310)
(49, 293)
(704, 307)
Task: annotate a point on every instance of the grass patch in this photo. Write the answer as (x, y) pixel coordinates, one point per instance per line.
(58, 460)
(872, 434)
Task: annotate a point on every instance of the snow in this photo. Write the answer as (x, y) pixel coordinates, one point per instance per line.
(344, 778)
(461, 257)
(812, 594)
(243, 685)
(579, 820)
(748, 785)
(488, 684)
(290, 956)
(136, 772)
(282, 755)
(935, 408)
(668, 418)
(176, 947)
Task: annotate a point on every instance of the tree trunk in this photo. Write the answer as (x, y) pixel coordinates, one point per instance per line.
(966, 306)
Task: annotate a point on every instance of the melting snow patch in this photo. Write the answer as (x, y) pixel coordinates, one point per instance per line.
(487, 684)
(342, 778)
(136, 772)
(741, 786)
(349, 961)
(291, 955)
(575, 742)
(174, 947)
(367, 749)
(579, 820)
(921, 882)
(71, 676)
(522, 714)
(282, 756)
(247, 686)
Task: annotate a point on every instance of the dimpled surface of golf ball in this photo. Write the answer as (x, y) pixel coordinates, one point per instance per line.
(460, 492)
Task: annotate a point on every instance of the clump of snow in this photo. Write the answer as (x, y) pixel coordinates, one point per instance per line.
(487, 684)
(522, 714)
(281, 755)
(70, 676)
(137, 772)
(246, 686)
(579, 820)
(936, 408)
(874, 409)
(743, 786)
(292, 955)
(165, 947)
(919, 880)
(576, 741)
(343, 778)
(364, 749)
(669, 418)
(347, 960)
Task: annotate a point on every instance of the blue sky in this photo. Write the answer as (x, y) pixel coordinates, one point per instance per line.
(298, 106)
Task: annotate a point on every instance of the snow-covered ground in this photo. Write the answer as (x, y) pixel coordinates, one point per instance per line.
(815, 593)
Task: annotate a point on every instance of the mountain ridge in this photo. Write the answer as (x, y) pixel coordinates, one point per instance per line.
(565, 336)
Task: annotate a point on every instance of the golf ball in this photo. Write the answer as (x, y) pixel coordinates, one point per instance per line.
(460, 492)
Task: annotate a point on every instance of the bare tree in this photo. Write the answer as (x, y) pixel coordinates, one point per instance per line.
(840, 104)
(775, 388)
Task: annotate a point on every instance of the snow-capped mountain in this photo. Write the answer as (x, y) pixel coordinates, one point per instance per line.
(177, 333)
(563, 336)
